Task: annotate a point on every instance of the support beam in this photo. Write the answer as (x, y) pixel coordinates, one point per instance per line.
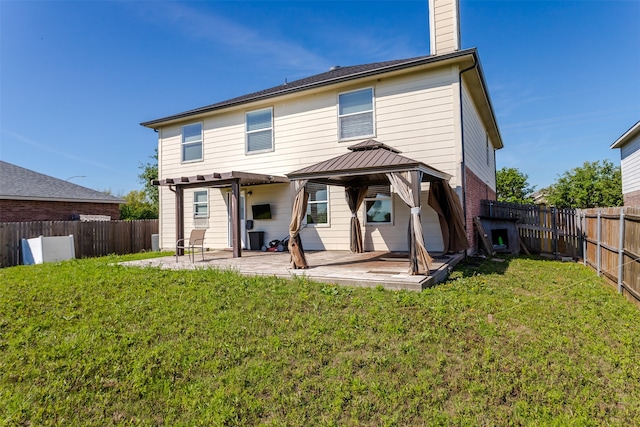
(236, 242)
(179, 217)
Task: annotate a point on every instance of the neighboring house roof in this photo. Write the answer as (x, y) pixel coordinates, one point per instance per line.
(627, 136)
(17, 183)
(347, 73)
(366, 163)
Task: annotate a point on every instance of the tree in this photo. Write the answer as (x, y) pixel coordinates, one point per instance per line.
(149, 173)
(512, 186)
(138, 206)
(592, 185)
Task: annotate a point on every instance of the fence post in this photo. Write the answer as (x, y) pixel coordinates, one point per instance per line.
(599, 226)
(554, 227)
(621, 252)
(583, 235)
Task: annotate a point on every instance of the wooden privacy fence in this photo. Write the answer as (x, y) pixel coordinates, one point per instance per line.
(91, 239)
(542, 229)
(612, 246)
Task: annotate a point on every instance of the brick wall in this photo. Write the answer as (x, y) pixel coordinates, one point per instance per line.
(632, 198)
(476, 190)
(33, 210)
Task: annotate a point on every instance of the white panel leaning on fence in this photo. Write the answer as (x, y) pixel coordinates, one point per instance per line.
(47, 249)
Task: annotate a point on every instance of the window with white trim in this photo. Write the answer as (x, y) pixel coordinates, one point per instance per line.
(259, 130)
(378, 205)
(201, 204)
(318, 204)
(355, 114)
(192, 142)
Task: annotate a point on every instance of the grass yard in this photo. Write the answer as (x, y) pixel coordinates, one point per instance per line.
(524, 342)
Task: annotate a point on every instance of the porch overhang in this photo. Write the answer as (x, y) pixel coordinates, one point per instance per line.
(224, 179)
(233, 179)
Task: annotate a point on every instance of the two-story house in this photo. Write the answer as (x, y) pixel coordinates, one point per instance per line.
(232, 164)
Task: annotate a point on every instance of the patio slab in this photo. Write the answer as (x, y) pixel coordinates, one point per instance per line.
(369, 269)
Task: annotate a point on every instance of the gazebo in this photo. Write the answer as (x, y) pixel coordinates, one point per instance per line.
(373, 163)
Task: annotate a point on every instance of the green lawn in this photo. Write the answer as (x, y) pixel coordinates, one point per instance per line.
(524, 342)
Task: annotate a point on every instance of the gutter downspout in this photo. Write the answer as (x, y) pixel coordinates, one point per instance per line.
(464, 166)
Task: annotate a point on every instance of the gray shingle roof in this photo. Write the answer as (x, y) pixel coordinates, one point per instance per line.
(335, 75)
(24, 184)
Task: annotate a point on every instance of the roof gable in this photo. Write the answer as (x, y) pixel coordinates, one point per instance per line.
(628, 136)
(24, 184)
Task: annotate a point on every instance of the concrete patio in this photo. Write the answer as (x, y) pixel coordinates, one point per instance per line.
(368, 269)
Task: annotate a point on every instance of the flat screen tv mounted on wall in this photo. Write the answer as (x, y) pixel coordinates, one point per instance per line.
(261, 211)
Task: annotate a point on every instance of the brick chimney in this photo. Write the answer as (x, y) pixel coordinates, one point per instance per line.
(444, 26)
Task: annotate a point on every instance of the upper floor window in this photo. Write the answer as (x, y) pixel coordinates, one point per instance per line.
(260, 130)
(192, 142)
(355, 114)
(200, 204)
(378, 205)
(318, 204)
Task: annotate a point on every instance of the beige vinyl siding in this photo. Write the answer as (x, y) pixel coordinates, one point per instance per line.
(630, 165)
(394, 237)
(384, 237)
(414, 113)
(279, 197)
(475, 143)
(444, 27)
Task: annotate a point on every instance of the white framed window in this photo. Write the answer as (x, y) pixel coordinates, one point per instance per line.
(259, 125)
(201, 204)
(355, 114)
(192, 142)
(318, 204)
(378, 205)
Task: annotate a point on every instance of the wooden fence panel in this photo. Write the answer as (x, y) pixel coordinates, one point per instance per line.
(593, 234)
(541, 229)
(605, 230)
(91, 239)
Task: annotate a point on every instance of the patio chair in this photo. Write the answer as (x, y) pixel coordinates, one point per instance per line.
(196, 241)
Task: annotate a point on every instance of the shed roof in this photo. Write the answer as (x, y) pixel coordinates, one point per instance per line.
(18, 183)
(365, 164)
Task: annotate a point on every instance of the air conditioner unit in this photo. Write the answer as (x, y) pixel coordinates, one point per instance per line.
(47, 249)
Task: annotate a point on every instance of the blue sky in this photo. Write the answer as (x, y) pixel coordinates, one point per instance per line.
(77, 78)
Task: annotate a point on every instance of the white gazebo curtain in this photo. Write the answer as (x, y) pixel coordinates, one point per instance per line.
(407, 185)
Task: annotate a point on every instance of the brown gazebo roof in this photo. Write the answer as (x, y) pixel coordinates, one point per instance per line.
(365, 164)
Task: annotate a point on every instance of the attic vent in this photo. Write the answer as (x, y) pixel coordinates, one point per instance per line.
(335, 67)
